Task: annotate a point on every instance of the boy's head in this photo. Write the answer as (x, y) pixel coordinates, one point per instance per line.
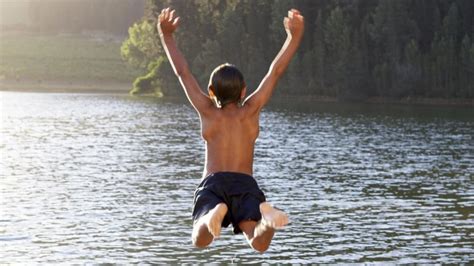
(226, 85)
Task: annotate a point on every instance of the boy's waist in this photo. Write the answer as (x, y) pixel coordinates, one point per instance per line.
(228, 174)
(226, 178)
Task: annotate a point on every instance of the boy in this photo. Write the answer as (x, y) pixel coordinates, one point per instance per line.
(230, 125)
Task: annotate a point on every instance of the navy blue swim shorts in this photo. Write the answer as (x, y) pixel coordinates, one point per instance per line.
(238, 191)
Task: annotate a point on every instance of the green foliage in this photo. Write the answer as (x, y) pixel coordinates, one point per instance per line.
(351, 49)
(142, 46)
(231, 33)
(149, 83)
(207, 60)
(410, 69)
(337, 43)
(467, 68)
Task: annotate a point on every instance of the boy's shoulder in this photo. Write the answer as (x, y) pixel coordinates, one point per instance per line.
(241, 112)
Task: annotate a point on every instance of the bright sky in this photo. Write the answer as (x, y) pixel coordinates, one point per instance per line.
(14, 11)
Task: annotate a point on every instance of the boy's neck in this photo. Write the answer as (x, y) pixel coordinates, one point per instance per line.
(231, 106)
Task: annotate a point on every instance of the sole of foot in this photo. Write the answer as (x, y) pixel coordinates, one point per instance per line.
(273, 217)
(214, 218)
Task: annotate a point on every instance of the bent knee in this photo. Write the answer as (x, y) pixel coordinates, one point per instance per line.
(200, 242)
(260, 246)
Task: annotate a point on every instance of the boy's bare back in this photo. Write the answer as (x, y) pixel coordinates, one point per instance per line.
(230, 135)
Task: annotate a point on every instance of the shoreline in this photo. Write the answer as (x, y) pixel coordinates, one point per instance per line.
(117, 87)
(66, 87)
(421, 101)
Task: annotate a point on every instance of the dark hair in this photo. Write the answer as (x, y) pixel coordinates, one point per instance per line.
(227, 84)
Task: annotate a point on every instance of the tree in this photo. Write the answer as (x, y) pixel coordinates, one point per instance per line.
(142, 47)
(231, 35)
(409, 71)
(337, 43)
(467, 68)
(209, 58)
(143, 51)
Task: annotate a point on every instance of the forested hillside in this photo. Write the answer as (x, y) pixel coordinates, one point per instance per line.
(352, 49)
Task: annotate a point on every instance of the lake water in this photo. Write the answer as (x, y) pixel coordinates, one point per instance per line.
(110, 178)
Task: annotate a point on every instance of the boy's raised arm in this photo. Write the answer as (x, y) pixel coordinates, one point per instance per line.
(167, 24)
(294, 26)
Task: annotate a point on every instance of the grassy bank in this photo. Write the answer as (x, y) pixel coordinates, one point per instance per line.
(71, 61)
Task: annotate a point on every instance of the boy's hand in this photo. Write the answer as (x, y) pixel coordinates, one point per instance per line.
(294, 23)
(167, 22)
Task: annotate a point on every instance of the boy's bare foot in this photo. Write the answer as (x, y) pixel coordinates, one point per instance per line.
(273, 217)
(213, 219)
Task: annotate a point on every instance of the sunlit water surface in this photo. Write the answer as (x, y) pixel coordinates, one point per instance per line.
(110, 178)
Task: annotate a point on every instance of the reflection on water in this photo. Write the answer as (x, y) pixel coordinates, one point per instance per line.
(104, 178)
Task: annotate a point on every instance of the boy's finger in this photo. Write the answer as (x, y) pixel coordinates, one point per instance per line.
(176, 21)
(171, 18)
(290, 14)
(161, 18)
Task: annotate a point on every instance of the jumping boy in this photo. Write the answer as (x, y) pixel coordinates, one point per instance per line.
(229, 126)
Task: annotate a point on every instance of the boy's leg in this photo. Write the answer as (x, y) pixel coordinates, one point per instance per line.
(259, 234)
(208, 227)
